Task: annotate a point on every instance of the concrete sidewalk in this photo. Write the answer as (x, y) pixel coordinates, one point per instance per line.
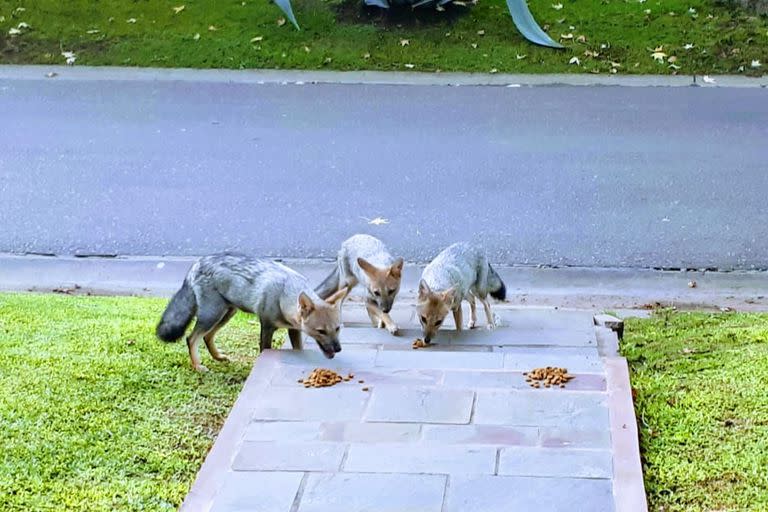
(450, 428)
(592, 288)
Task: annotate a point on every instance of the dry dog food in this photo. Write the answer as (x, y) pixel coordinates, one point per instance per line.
(419, 343)
(547, 377)
(321, 378)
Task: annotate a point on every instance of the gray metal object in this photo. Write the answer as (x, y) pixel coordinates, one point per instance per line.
(521, 16)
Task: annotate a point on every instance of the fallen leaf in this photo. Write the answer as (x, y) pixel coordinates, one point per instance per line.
(212, 28)
(460, 3)
(582, 39)
(13, 31)
(481, 32)
(196, 37)
(494, 70)
(405, 42)
(659, 49)
(613, 71)
(708, 80)
(688, 46)
(409, 66)
(366, 55)
(590, 53)
(755, 64)
(575, 60)
(672, 59)
(93, 31)
(615, 64)
(557, 7)
(19, 9)
(131, 20)
(22, 25)
(474, 45)
(647, 11)
(327, 60)
(257, 39)
(439, 8)
(307, 49)
(179, 8)
(280, 22)
(70, 57)
(674, 66)
(378, 221)
(566, 36)
(520, 57)
(692, 10)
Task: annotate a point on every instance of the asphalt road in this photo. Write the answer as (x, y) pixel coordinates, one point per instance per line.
(594, 176)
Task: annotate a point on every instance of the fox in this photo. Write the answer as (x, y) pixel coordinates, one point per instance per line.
(365, 259)
(219, 285)
(460, 272)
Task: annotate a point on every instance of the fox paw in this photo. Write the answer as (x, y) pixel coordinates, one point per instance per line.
(200, 368)
(393, 330)
(222, 358)
(490, 327)
(471, 324)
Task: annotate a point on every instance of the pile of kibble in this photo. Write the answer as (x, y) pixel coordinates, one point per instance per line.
(548, 377)
(419, 343)
(323, 377)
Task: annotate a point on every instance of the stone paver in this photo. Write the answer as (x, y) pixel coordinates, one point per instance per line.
(257, 491)
(526, 461)
(420, 405)
(513, 493)
(421, 458)
(438, 429)
(288, 456)
(372, 493)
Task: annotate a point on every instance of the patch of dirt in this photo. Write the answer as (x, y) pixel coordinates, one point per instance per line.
(357, 13)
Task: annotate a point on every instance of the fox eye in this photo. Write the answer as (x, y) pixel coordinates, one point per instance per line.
(437, 324)
(321, 332)
(377, 293)
(337, 329)
(423, 319)
(392, 291)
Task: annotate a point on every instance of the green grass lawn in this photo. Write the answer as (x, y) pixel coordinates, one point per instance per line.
(702, 403)
(604, 35)
(97, 414)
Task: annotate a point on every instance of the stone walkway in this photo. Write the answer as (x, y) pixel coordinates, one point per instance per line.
(450, 428)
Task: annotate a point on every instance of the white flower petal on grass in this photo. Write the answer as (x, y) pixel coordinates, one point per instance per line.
(755, 63)
(13, 31)
(575, 60)
(557, 7)
(70, 57)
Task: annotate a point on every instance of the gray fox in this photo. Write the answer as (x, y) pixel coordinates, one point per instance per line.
(366, 260)
(217, 286)
(459, 272)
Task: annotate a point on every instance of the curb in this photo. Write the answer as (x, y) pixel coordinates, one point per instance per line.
(628, 487)
(304, 77)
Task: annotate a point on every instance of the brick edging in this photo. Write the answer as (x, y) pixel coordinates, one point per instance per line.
(628, 487)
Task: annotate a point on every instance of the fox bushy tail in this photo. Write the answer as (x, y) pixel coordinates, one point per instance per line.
(178, 314)
(496, 286)
(330, 284)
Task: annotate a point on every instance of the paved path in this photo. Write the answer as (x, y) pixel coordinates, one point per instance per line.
(452, 428)
(591, 176)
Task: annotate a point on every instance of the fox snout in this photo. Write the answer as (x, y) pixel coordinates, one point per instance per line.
(329, 347)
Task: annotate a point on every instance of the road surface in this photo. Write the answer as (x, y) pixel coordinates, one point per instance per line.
(591, 176)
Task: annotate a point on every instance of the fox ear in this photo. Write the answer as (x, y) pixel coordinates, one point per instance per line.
(306, 306)
(449, 296)
(396, 270)
(369, 269)
(424, 290)
(338, 296)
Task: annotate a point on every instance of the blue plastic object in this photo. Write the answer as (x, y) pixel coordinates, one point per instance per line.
(521, 16)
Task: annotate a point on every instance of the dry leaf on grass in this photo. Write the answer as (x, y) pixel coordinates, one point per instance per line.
(405, 42)
(179, 8)
(575, 60)
(280, 22)
(557, 7)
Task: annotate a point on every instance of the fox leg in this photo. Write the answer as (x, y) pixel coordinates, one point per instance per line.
(472, 311)
(457, 317)
(208, 338)
(380, 319)
(209, 314)
(295, 336)
(488, 312)
(265, 338)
